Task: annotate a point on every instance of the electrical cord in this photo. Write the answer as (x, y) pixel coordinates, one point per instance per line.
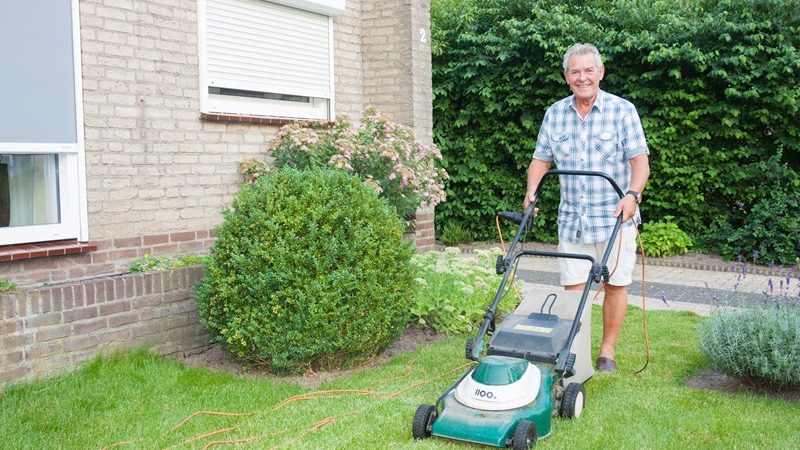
(644, 307)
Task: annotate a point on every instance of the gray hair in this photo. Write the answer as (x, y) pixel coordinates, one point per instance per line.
(583, 49)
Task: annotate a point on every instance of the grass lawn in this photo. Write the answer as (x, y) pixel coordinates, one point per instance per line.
(136, 401)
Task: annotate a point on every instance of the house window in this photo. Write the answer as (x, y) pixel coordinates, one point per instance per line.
(42, 175)
(29, 190)
(267, 58)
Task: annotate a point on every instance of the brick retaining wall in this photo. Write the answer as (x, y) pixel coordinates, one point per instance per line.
(50, 329)
(112, 257)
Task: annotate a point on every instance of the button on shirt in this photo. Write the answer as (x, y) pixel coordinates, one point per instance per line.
(604, 141)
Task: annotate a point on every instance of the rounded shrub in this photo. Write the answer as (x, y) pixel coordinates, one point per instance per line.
(309, 271)
(758, 344)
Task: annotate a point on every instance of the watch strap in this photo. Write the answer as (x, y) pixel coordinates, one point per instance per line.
(636, 195)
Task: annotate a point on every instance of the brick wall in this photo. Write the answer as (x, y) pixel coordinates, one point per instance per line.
(152, 166)
(424, 238)
(46, 330)
(348, 70)
(112, 257)
(397, 63)
(155, 169)
(422, 91)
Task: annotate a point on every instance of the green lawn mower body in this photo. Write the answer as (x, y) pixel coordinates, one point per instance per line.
(535, 362)
(495, 428)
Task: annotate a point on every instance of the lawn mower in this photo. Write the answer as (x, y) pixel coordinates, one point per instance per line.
(536, 362)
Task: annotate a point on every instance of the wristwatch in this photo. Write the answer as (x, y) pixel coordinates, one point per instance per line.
(636, 195)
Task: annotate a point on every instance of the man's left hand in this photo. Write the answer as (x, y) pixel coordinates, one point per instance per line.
(626, 206)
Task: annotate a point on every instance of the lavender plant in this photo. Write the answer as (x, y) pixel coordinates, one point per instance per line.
(453, 293)
(383, 154)
(758, 342)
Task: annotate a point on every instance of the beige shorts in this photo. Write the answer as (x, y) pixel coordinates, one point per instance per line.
(576, 271)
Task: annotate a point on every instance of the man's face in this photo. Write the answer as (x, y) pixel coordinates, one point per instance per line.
(583, 76)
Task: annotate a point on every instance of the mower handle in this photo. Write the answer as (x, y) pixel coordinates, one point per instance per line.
(597, 273)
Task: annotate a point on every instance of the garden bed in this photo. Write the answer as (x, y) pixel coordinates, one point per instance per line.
(217, 359)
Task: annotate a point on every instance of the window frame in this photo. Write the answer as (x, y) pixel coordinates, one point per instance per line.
(73, 210)
(278, 109)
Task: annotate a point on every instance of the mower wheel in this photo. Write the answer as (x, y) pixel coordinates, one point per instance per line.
(423, 419)
(572, 401)
(524, 435)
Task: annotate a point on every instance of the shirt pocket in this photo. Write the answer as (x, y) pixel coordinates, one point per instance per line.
(562, 147)
(606, 144)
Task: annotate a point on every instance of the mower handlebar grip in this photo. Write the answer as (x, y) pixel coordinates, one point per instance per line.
(512, 216)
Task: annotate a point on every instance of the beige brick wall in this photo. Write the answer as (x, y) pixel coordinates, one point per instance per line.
(421, 70)
(154, 168)
(397, 62)
(152, 165)
(348, 69)
(158, 175)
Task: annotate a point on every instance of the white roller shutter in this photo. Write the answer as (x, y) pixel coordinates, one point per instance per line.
(255, 45)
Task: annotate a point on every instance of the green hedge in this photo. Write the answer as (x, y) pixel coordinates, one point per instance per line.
(716, 84)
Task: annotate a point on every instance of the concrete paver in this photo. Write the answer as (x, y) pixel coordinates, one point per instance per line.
(650, 304)
(728, 281)
(678, 288)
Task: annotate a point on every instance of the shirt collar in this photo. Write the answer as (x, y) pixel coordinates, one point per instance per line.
(599, 102)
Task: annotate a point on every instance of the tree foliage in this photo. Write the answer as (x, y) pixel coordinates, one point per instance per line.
(715, 82)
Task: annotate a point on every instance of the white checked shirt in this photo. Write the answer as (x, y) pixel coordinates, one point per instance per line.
(604, 141)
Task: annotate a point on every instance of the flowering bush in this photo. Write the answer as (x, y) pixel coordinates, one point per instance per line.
(383, 154)
(757, 341)
(453, 293)
(252, 169)
(760, 344)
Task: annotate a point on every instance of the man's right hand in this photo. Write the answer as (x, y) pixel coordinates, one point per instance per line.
(529, 198)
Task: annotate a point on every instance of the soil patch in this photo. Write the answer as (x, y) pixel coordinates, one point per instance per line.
(217, 359)
(721, 382)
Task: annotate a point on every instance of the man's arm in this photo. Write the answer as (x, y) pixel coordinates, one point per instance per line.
(640, 172)
(536, 171)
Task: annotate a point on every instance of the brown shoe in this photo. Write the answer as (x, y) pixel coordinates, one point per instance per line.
(606, 364)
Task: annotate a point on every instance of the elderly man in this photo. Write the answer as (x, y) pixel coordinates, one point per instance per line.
(598, 131)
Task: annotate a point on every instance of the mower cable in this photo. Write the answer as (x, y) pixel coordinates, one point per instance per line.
(644, 307)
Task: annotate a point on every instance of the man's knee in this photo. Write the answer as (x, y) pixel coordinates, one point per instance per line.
(610, 288)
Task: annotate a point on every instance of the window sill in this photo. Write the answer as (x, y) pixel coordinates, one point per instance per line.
(245, 119)
(44, 249)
